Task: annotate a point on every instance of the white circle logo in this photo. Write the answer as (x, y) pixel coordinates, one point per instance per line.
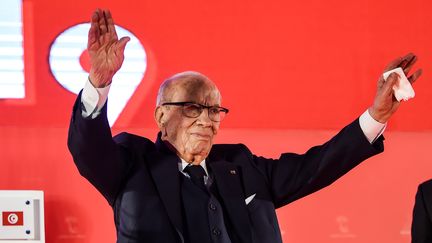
(69, 63)
(12, 218)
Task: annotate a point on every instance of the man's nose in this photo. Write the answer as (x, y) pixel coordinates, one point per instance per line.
(204, 119)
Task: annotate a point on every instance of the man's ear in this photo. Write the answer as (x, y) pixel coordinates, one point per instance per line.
(158, 115)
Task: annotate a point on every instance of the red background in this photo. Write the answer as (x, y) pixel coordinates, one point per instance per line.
(293, 72)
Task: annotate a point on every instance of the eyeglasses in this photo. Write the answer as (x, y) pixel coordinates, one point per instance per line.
(194, 110)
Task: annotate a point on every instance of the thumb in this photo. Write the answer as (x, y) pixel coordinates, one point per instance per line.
(122, 43)
(392, 80)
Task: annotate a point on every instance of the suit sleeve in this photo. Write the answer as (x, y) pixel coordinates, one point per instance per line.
(421, 228)
(293, 176)
(98, 158)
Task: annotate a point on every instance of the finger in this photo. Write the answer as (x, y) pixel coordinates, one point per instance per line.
(121, 45)
(403, 63)
(406, 59)
(102, 24)
(409, 65)
(111, 26)
(381, 82)
(392, 80)
(415, 76)
(95, 17)
(406, 63)
(93, 34)
(98, 15)
(105, 13)
(393, 64)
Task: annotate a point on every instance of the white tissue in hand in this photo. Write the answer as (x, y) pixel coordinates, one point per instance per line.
(404, 90)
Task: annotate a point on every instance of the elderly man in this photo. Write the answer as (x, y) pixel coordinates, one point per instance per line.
(183, 188)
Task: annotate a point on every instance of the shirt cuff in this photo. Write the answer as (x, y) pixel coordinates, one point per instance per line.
(93, 99)
(371, 128)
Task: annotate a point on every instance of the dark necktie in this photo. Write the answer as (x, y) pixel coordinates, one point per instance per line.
(196, 173)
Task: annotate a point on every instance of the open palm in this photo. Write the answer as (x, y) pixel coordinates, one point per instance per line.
(105, 49)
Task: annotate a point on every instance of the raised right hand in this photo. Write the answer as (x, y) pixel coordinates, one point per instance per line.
(105, 49)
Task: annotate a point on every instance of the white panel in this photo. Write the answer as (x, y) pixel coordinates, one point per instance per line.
(9, 228)
(29, 206)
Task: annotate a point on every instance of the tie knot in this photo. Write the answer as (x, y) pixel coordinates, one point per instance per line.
(195, 171)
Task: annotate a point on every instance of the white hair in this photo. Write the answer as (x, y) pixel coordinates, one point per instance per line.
(186, 75)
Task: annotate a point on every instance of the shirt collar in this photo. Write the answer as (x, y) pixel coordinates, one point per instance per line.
(184, 164)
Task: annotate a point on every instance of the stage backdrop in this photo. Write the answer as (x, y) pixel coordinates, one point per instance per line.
(291, 72)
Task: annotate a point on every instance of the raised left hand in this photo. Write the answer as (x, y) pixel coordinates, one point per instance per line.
(385, 104)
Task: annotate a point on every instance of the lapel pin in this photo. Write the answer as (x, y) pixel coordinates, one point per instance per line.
(233, 172)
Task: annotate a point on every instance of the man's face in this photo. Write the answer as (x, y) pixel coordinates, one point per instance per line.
(191, 137)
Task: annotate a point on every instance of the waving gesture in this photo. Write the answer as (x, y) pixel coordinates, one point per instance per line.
(105, 49)
(385, 104)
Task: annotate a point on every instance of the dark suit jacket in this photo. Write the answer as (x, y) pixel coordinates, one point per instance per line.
(421, 229)
(140, 179)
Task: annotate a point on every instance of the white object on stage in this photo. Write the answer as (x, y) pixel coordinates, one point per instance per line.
(22, 217)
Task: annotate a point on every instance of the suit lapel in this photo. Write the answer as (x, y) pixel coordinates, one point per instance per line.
(228, 181)
(164, 170)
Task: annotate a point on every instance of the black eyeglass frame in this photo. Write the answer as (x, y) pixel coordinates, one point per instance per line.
(182, 104)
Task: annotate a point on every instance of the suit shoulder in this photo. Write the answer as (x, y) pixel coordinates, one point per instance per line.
(132, 141)
(227, 151)
(229, 147)
(426, 186)
(424, 193)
